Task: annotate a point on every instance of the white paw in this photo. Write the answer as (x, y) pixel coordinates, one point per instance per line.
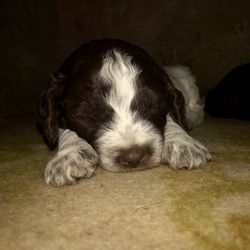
(68, 166)
(185, 153)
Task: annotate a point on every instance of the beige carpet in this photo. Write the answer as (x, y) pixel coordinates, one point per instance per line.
(153, 209)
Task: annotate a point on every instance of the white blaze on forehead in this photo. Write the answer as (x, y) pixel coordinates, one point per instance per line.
(119, 72)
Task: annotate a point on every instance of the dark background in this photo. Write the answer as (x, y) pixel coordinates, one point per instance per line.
(210, 36)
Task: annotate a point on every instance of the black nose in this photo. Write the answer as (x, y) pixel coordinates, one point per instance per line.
(132, 157)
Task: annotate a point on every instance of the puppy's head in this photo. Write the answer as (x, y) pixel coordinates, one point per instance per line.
(132, 139)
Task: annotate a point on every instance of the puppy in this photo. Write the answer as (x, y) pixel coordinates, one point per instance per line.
(110, 104)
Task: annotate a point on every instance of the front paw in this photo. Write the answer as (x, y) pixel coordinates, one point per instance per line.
(187, 153)
(69, 166)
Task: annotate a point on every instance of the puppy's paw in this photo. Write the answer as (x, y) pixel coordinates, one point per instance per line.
(68, 166)
(185, 153)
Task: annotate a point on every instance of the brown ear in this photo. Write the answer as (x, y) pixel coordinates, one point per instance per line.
(176, 104)
(48, 113)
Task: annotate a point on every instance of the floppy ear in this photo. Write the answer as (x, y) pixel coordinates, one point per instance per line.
(176, 103)
(48, 112)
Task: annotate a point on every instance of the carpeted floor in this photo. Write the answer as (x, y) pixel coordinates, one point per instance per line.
(153, 209)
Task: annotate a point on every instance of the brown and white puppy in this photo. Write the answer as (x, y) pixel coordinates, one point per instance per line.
(110, 104)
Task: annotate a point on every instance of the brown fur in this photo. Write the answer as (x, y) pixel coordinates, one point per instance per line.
(77, 101)
(48, 111)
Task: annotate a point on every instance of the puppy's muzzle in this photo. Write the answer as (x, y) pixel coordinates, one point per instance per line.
(132, 157)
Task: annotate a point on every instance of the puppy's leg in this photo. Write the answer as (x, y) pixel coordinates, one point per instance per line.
(74, 159)
(180, 150)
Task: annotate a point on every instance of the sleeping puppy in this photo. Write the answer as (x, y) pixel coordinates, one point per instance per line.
(110, 104)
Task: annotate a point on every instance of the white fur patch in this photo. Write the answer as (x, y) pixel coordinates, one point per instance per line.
(185, 82)
(74, 159)
(126, 128)
(180, 150)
